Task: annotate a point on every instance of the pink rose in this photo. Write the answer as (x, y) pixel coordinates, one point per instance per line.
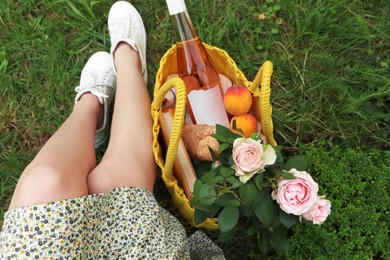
(250, 156)
(319, 212)
(298, 195)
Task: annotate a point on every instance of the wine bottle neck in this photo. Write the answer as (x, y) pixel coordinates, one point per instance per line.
(183, 27)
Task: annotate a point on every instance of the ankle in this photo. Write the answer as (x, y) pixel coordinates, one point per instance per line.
(124, 48)
(88, 97)
(93, 103)
(125, 54)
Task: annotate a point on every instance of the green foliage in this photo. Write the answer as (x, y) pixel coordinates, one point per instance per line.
(3, 62)
(243, 209)
(330, 83)
(357, 183)
(330, 57)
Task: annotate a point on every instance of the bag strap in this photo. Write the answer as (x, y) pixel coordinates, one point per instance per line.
(261, 90)
(178, 121)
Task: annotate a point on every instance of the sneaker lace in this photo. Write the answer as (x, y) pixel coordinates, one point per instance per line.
(93, 84)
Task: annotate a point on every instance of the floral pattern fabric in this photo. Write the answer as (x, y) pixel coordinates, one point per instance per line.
(121, 223)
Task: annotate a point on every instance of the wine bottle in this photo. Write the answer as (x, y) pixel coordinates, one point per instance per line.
(204, 91)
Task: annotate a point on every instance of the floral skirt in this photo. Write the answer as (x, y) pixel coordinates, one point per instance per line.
(121, 223)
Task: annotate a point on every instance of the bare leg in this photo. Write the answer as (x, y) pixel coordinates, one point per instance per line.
(60, 169)
(128, 160)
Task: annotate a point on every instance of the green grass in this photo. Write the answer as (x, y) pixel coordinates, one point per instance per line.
(331, 78)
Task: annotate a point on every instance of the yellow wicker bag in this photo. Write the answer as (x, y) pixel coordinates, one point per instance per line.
(224, 64)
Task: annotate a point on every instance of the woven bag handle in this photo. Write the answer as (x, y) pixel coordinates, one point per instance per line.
(261, 90)
(177, 193)
(178, 121)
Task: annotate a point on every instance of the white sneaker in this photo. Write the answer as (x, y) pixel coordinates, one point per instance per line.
(98, 78)
(125, 25)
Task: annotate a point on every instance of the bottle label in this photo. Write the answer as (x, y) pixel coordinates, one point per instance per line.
(176, 6)
(207, 107)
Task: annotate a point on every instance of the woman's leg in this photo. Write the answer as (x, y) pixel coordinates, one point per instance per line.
(60, 169)
(128, 160)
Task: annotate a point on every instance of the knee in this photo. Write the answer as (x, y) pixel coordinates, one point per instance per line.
(43, 174)
(115, 172)
(130, 161)
(44, 183)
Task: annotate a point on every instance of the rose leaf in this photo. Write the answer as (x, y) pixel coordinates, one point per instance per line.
(288, 220)
(264, 208)
(297, 162)
(228, 218)
(278, 239)
(199, 216)
(248, 193)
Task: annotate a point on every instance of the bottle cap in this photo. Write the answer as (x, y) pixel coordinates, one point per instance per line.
(176, 6)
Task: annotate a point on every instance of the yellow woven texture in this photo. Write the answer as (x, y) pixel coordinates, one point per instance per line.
(262, 110)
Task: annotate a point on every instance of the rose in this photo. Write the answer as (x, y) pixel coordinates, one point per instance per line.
(296, 196)
(250, 156)
(319, 211)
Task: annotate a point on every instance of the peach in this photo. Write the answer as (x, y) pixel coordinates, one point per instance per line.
(237, 100)
(246, 122)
